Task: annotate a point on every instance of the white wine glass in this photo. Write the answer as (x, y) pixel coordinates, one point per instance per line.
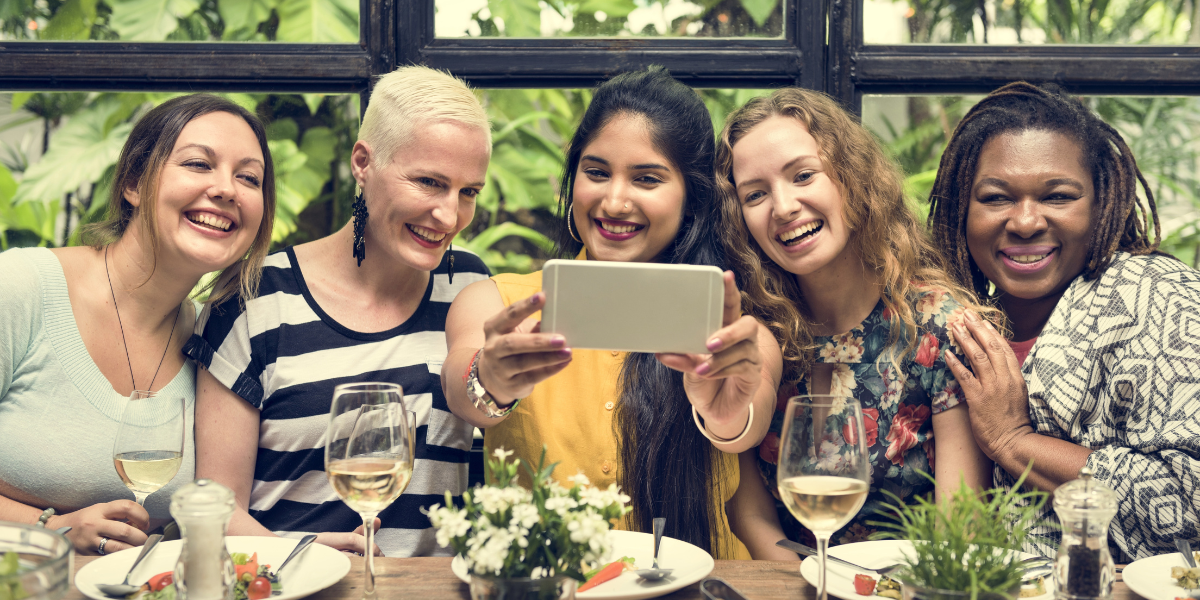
(149, 445)
(824, 471)
(368, 454)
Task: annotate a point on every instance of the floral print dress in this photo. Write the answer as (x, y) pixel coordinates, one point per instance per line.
(898, 406)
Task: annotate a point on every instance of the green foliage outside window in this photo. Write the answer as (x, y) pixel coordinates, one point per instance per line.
(44, 201)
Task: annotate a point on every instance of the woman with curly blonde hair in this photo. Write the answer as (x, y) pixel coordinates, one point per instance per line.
(832, 260)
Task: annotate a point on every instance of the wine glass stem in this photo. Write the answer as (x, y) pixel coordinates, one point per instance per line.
(141, 498)
(823, 556)
(369, 554)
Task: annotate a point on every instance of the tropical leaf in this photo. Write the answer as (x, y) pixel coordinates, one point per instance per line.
(611, 8)
(522, 18)
(487, 238)
(81, 151)
(72, 21)
(32, 216)
(242, 17)
(318, 21)
(149, 20)
(759, 10)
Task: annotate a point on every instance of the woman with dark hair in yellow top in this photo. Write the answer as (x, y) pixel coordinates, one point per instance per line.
(637, 187)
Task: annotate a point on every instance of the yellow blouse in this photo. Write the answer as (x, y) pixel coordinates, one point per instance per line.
(571, 414)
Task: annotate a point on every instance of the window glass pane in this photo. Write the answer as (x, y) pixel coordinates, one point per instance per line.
(1162, 132)
(300, 21)
(58, 151)
(1031, 22)
(608, 18)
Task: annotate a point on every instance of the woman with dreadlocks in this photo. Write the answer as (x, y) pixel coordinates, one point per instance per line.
(1036, 207)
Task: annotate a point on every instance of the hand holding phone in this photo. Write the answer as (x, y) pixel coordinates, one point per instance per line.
(721, 385)
(517, 355)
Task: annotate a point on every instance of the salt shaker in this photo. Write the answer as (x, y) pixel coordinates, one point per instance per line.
(1083, 569)
(204, 571)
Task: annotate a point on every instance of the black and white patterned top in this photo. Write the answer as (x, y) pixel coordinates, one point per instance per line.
(1117, 370)
(284, 355)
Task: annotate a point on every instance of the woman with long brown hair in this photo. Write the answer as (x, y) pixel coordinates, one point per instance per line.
(834, 263)
(85, 326)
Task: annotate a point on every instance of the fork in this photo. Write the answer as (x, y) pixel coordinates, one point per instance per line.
(1185, 548)
(806, 551)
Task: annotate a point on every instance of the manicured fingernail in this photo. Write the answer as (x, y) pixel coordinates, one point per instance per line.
(971, 316)
(565, 353)
(558, 341)
(714, 344)
(703, 368)
(534, 299)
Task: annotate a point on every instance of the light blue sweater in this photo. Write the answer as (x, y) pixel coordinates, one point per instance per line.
(58, 413)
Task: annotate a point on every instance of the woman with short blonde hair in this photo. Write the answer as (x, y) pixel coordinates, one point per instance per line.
(367, 303)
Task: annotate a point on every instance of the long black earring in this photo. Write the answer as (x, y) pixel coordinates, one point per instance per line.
(450, 267)
(360, 224)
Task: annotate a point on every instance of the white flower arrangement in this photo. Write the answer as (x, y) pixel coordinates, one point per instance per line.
(504, 530)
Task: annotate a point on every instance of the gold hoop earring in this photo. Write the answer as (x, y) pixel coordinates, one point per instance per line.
(570, 219)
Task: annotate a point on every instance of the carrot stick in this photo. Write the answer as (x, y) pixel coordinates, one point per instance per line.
(610, 571)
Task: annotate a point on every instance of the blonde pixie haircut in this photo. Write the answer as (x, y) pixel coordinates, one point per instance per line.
(413, 96)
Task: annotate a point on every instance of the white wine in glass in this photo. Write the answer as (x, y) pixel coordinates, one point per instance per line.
(368, 454)
(824, 470)
(149, 446)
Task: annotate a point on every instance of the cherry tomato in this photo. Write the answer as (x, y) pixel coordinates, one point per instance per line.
(258, 589)
(864, 585)
(160, 581)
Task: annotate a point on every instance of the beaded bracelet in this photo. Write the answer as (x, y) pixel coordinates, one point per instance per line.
(705, 432)
(46, 514)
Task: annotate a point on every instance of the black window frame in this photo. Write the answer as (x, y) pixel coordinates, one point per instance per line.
(397, 32)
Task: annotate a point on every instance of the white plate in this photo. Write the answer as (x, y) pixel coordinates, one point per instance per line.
(874, 554)
(691, 564)
(315, 569)
(1150, 578)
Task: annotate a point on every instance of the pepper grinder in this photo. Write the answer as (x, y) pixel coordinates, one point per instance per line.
(1083, 569)
(204, 571)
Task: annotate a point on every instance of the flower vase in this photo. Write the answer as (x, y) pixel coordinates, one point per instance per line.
(560, 587)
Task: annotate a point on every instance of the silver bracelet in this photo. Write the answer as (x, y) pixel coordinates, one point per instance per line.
(46, 514)
(706, 433)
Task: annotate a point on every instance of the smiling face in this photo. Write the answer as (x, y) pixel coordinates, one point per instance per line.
(209, 193)
(790, 201)
(1030, 218)
(628, 198)
(425, 195)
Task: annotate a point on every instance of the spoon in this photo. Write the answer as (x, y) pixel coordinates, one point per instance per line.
(305, 542)
(655, 573)
(124, 589)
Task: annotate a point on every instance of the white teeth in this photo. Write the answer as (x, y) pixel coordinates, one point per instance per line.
(1028, 258)
(799, 231)
(214, 221)
(427, 234)
(618, 228)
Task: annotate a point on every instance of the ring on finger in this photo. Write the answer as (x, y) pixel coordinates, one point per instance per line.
(100, 548)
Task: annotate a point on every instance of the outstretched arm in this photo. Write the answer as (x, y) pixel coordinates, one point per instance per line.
(743, 370)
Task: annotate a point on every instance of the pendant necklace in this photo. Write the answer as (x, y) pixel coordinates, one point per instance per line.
(128, 361)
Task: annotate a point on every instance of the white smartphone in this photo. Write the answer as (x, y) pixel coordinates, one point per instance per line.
(633, 307)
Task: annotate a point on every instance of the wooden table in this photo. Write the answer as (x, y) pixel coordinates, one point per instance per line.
(431, 579)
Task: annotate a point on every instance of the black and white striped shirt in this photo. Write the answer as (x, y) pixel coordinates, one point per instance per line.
(284, 355)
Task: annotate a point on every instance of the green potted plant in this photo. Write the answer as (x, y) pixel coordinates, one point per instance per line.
(965, 547)
(531, 543)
